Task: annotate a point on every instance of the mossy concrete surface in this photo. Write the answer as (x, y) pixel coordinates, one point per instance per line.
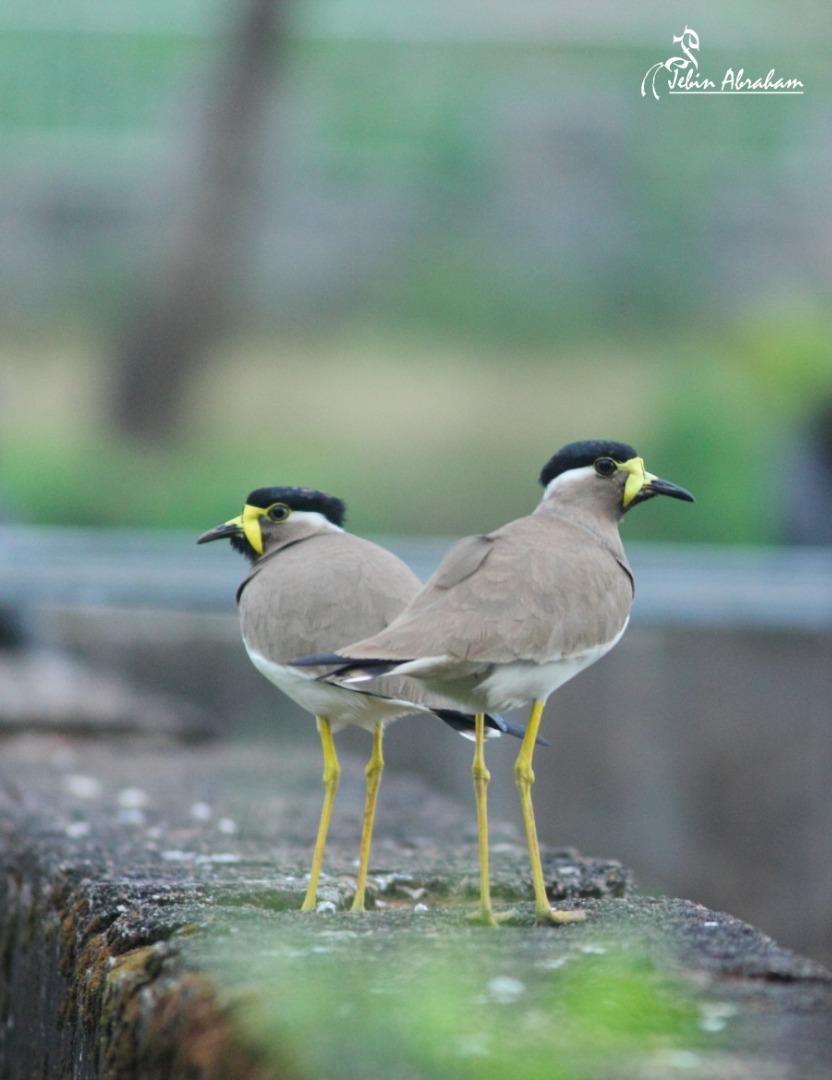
(129, 864)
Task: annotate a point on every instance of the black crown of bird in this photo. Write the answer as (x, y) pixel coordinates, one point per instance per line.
(578, 455)
(301, 498)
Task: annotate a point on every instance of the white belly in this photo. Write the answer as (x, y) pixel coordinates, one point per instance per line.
(502, 686)
(338, 704)
(508, 686)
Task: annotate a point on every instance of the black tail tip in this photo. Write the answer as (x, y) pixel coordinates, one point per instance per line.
(465, 723)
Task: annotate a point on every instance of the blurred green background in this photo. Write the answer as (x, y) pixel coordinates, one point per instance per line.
(426, 1007)
(403, 255)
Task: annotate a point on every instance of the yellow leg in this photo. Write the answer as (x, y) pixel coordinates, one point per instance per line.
(481, 777)
(373, 771)
(332, 774)
(524, 776)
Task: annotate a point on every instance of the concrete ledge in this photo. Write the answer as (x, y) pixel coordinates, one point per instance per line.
(123, 860)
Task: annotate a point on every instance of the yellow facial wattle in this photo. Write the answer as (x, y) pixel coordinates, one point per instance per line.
(637, 479)
(249, 522)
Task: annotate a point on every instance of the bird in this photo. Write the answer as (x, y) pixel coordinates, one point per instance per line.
(311, 585)
(511, 615)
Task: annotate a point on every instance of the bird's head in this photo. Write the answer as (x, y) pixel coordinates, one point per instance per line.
(278, 515)
(605, 475)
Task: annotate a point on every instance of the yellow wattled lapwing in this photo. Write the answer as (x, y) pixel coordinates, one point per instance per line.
(312, 586)
(510, 616)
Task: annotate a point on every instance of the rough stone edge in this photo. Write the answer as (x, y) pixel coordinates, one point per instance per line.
(94, 1001)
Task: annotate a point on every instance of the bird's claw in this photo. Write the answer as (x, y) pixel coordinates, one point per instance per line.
(553, 917)
(486, 917)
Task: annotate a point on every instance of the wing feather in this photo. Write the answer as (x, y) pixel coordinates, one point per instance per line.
(537, 589)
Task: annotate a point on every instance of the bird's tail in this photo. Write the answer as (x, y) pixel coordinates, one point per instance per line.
(342, 666)
(496, 725)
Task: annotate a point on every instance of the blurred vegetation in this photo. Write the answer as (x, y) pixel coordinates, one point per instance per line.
(445, 1011)
(424, 436)
(462, 252)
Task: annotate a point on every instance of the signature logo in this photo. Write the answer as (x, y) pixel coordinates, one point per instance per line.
(681, 75)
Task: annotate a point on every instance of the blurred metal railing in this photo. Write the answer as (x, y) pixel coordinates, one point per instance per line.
(779, 588)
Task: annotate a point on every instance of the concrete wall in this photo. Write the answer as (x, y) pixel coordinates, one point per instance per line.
(700, 756)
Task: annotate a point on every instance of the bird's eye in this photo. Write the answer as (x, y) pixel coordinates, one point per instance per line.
(605, 466)
(278, 512)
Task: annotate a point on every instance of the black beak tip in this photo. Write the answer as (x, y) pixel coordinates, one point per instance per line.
(664, 487)
(682, 493)
(221, 532)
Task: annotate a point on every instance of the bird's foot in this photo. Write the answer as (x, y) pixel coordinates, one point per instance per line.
(487, 917)
(547, 916)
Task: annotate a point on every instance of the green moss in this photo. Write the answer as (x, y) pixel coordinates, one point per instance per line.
(436, 1012)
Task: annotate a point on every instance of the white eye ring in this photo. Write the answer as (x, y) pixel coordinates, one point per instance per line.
(605, 466)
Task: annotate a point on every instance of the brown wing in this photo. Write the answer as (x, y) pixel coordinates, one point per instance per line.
(544, 588)
(324, 590)
(460, 562)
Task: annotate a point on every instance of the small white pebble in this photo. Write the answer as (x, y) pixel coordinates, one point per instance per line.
(130, 815)
(593, 950)
(713, 1015)
(420, 908)
(504, 989)
(227, 825)
(132, 797)
(552, 964)
(174, 855)
(77, 829)
(220, 857)
(381, 903)
(326, 907)
(710, 924)
(201, 811)
(82, 787)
